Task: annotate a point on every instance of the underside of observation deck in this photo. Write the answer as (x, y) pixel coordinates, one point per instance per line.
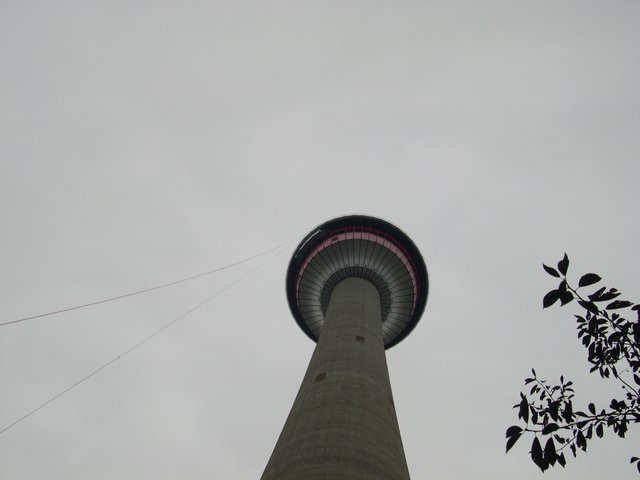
(364, 247)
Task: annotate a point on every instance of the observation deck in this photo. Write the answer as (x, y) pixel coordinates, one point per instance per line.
(365, 247)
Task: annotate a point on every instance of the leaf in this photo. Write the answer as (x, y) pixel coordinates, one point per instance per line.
(566, 297)
(634, 459)
(568, 412)
(562, 286)
(512, 441)
(588, 279)
(550, 298)
(550, 454)
(536, 454)
(561, 460)
(595, 296)
(550, 428)
(636, 378)
(563, 265)
(610, 295)
(551, 271)
(618, 304)
(615, 337)
(592, 408)
(600, 430)
(581, 442)
(513, 430)
(524, 410)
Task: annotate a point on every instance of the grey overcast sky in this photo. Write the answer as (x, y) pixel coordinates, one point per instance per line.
(141, 142)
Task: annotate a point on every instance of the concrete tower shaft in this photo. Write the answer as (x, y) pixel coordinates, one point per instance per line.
(343, 423)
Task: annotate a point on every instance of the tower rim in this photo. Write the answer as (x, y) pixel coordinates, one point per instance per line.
(358, 246)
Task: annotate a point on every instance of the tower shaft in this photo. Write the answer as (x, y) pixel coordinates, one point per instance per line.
(343, 423)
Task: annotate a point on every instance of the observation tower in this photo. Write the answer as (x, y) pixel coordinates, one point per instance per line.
(356, 285)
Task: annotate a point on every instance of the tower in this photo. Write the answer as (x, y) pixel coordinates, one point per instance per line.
(356, 285)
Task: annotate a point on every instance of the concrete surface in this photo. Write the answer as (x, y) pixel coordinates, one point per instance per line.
(343, 424)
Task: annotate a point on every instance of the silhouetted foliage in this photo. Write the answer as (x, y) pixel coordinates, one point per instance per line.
(613, 350)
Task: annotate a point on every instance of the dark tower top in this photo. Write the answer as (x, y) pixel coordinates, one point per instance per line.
(358, 246)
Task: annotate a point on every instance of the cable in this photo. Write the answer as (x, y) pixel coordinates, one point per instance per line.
(150, 289)
(140, 343)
